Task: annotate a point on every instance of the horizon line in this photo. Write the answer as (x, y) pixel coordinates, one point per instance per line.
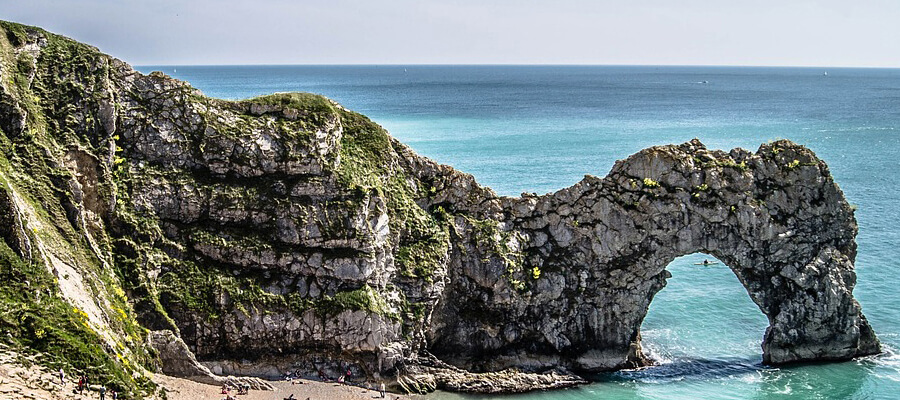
(510, 65)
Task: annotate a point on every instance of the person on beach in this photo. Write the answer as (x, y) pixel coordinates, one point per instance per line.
(102, 392)
(382, 390)
(115, 395)
(62, 377)
(81, 385)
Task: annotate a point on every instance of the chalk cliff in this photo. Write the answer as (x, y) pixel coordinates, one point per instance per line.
(286, 232)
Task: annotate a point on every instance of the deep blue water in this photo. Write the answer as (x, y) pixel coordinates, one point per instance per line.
(541, 128)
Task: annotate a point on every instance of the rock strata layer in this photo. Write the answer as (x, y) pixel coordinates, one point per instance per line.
(288, 231)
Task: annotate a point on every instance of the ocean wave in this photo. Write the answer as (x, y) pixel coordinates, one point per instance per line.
(887, 364)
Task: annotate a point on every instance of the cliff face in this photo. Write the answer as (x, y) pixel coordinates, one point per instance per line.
(288, 231)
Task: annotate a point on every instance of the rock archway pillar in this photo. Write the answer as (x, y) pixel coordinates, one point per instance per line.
(810, 307)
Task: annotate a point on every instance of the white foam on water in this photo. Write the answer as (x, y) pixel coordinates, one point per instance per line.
(888, 360)
(751, 377)
(652, 347)
(787, 390)
(658, 355)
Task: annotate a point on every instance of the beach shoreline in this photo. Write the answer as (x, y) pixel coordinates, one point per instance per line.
(301, 389)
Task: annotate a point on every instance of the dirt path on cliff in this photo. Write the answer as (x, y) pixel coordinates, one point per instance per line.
(183, 389)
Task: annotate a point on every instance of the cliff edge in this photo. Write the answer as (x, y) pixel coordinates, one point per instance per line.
(285, 232)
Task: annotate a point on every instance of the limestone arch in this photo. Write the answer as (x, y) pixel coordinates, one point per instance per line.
(775, 217)
(780, 223)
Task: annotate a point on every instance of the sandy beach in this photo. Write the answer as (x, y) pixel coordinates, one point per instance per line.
(35, 382)
(182, 389)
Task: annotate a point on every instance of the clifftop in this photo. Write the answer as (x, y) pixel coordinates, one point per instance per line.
(285, 232)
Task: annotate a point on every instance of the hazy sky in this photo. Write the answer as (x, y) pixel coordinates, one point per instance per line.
(685, 32)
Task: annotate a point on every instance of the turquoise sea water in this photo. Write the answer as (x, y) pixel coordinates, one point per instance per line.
(539, 129)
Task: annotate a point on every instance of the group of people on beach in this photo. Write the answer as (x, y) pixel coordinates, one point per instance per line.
(241, 389)
(84, 383)
(341, 379)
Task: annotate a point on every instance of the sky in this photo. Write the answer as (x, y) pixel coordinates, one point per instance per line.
(834, 33)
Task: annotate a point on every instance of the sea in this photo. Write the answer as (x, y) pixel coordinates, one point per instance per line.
(538, 129)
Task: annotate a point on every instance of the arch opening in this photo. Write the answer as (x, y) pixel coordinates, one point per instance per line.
(703, 320)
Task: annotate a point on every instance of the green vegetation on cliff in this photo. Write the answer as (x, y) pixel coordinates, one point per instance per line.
(368, 164)
(38, 153)
(35, 319)
(163, 204)
(203, 290)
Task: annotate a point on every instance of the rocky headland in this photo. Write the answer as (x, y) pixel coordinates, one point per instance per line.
(147, 227)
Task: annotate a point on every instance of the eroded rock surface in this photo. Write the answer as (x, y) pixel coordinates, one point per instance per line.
(288, 229)
(774, 217)
(177, 360)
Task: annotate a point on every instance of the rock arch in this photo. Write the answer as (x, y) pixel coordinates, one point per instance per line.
(597, 253)
(289, 229)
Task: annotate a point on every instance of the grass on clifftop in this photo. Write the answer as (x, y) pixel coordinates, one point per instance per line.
(308, 102)
(368, 163)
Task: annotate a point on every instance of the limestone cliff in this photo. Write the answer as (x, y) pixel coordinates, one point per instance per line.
(286, 232)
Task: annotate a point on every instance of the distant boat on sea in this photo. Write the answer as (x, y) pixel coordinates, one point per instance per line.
(825, 74)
